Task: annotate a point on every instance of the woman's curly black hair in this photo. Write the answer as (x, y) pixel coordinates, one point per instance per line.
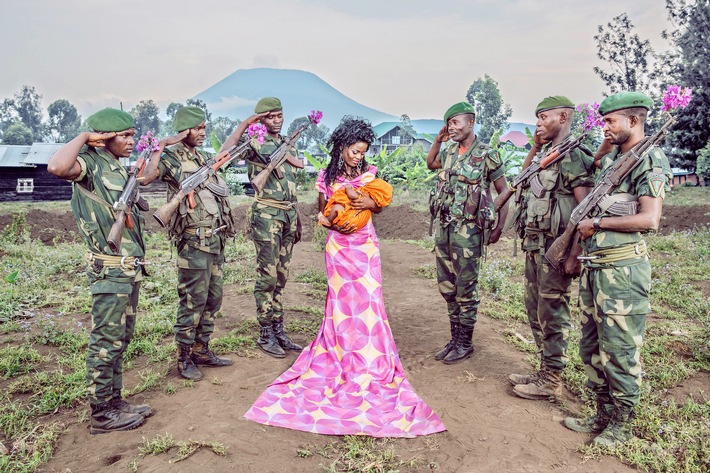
(350, 131)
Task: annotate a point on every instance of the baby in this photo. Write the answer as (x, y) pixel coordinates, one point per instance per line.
(339, 211)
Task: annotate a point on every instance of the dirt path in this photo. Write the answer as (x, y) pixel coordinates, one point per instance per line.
(489, 430)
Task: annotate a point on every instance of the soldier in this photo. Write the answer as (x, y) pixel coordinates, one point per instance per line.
(200, 234)
(91, 161)
(549, 199)
(462, 205)
(616, 279)
(274, 225)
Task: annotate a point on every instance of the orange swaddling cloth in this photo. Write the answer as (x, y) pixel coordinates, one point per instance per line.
(377, 189)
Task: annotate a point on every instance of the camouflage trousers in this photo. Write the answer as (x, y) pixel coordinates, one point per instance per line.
(613, 300)
(200, 282)
(547, 295)
(113, 312)
(458, 252)
(274, 240)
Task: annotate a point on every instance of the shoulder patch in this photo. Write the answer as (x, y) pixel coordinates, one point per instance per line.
(656, 183)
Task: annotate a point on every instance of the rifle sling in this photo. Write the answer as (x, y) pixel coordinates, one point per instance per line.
(619, 204)
(87, 193)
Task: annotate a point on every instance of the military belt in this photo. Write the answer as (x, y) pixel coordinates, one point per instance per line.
(279, 204)
(110, 261)
(614, 255)
(204, 232)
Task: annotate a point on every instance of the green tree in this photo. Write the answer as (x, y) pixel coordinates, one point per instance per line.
(222, 127)
(312, 137)
(491, 113)
(406, 130)
(689, 68)
(146, 117)
(702, 167)
(64, 121)
(26, 107)
(18, 134)
(626, 54)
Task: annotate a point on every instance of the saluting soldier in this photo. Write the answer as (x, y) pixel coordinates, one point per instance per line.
(616, 279)
(541, 216)
(200, 234)
(274, 225)
(91, 161)
(463, 210)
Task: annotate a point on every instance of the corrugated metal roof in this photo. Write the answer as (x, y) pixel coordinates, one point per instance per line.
(13, 156)
(383, 128)
(41, 152)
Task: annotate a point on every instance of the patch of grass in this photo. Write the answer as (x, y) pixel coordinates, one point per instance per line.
(688, 196)
(364, 455)
(185, 449)
(426, 271)
(149, 380)
(18, 360)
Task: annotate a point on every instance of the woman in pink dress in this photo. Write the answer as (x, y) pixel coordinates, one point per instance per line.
(349, 380)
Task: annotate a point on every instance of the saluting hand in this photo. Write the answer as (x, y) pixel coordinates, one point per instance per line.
(443, 134)
(98, 139)
(256, 117)
(171, 140)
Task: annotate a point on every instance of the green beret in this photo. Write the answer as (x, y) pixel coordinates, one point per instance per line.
(556, 101)
(458, 109)
(624, 100)
(268, 104)
(188, 117)
(110, 119)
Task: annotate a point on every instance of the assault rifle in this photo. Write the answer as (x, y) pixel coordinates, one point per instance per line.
(552, 156)
(197, 181)
(611, 180)
(279, 156)
(124, 205)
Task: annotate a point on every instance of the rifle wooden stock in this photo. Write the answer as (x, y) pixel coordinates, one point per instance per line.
(557, 253)
(503, 197)
(116, 233)
(278, 157)
(259, 180)
(165, 213)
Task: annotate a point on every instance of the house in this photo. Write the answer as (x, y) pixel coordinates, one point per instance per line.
(516, 138)
(388, 134)
(24, 176)
(683, 176)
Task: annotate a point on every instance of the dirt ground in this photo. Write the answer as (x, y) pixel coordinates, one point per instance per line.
(489, 429)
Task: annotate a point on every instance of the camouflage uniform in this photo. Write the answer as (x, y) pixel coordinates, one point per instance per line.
(459, 239)
(114, 289)
(201, 255)
(273, 230)
(613, 297)
(541, 216)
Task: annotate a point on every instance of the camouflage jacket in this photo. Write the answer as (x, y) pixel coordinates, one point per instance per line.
(212, 211)
(283, 189)
(105, 177)
(548, 198)
(463, 178)
(652, 177)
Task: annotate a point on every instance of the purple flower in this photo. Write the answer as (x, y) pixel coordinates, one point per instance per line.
(674, 98)
(148, 141)
(592, 118)
(315, 116)
(257, 132)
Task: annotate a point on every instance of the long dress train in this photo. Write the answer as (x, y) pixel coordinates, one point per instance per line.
(349, 380)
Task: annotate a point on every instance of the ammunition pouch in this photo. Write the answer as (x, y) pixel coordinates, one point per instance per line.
(142, 204)
(619, 204)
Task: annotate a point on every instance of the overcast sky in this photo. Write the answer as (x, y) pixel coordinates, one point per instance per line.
(398, 56)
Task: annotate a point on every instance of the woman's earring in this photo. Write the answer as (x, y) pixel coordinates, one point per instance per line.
(359, 166)
(340, 163)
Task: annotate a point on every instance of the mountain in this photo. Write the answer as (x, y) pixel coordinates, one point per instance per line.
(300, 92)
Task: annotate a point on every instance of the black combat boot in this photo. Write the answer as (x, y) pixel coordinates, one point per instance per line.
(267, 341)
(441, 354)
(202, 355)
(122, 405)
(619, 429)
(285, 342)
(464, 346)
(595, 423)
(186, 367)
(107, 418)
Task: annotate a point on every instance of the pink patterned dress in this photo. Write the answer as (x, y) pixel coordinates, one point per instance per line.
(349, 380)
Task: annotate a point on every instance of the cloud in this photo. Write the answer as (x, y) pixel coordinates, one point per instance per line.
(229, 103)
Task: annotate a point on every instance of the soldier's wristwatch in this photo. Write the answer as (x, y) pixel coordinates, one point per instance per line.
(596, 223)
